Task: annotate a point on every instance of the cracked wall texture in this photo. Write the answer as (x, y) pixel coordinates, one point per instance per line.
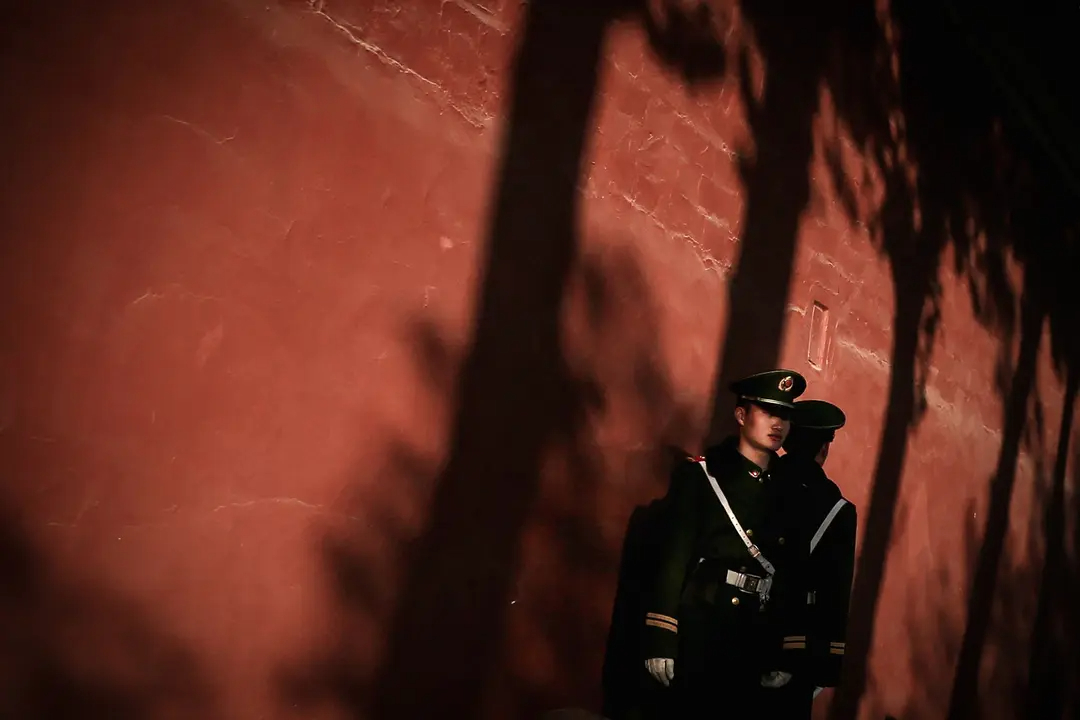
(220, 222)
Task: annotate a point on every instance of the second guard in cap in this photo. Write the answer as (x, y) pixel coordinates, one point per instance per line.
(831, 523)
(727, 607)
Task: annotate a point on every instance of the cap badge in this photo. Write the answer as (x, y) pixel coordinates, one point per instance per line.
(786, 384)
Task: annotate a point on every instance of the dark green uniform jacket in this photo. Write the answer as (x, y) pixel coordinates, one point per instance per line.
(712, 629)
(830, 572)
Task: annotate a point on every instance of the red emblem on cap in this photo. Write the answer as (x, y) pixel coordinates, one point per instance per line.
(786, 384)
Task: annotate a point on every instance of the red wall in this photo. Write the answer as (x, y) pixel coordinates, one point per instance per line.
(328, 385)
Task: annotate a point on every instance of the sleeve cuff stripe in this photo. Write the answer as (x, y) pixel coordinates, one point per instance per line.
(795, 645)
(662, 618)
(791, 638)
(836, 651)
(662, 625)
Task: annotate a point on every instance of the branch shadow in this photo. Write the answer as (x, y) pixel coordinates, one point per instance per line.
(519, 407)
(1053, 666)
(615, 357)
(1050, 691)
(515, 395)
(795, 44)
(1027, 659)
(627, 692)
(957, 168)
(1036, 311)
(71, 650)
(923, 113)
(950, 159)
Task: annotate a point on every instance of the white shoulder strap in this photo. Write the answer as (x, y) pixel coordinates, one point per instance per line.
(826, 523)
(754, 551)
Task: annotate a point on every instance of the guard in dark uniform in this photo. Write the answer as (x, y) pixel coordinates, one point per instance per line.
(728, 605)
(830, 523)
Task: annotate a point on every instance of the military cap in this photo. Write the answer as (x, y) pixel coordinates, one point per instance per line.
(817, 415)
(775, 387)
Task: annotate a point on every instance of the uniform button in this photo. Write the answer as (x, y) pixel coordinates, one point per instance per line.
(742, 569)
(781, 541)
(749, 533)
(734, 601)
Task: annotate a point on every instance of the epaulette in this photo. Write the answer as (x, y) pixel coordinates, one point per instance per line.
(695, 458)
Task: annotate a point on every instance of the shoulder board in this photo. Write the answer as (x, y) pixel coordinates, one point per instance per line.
(695, 458)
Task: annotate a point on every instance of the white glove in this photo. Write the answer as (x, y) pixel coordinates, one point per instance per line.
(775, 679)
(817, 691)
(663, 669)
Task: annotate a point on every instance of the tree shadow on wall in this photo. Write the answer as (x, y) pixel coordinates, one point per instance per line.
(947, 159)
(1047, 248)
(1027, 644)
(958, 168)
(955, 167)
(1028, 659)
(555, 612)
(794, 41)
(71, 651)
(917, 103)
(1025, 608)
(929, 110)
(1052, 677)
(519, 404)
(627, 691)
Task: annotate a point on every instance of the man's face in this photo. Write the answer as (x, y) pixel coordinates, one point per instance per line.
(763, 427)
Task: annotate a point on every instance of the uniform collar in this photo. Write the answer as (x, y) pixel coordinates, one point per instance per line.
(725, 460)
(808, 471)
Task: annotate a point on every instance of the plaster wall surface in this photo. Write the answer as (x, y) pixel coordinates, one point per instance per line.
(291, 425)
